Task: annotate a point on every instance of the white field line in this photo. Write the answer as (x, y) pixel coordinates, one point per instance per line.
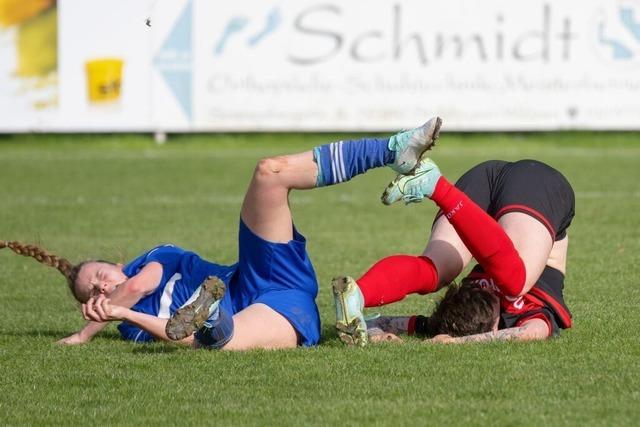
(226, 153)
(229, 200)
(608, 194)
(528, 151)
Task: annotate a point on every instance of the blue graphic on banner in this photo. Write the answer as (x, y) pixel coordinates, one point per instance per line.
(627, 17)
(272, 22)
(621, 47)
(235, 25)
(238, 23)
(174, 60)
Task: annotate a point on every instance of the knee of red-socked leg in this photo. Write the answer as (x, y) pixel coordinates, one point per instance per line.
(269, 167)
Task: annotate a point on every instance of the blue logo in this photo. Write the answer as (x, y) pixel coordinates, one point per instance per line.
(237, 24)
(618, 32)
(174, 60)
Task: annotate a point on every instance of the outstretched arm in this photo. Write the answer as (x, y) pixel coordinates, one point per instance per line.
(534, 329)
(154, 325)
(125, 295)
(388, 328)
(397, 325)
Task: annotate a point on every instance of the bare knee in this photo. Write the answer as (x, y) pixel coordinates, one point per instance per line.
(269, 168)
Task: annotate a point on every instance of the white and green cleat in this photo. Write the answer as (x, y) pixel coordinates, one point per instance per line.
(414, 187)
(350, 323)
(412, 144)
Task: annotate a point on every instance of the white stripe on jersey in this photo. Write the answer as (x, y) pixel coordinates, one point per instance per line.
(341, 162)
(193, 297)
(138, 336)
(167, 297)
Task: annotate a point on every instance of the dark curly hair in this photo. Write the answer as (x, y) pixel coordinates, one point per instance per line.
(465, 309)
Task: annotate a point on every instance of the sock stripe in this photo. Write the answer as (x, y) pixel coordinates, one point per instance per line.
(337, 162)
(341, 160)
(333, 162)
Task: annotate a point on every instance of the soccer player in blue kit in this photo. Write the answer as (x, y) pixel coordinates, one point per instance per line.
(267, 299)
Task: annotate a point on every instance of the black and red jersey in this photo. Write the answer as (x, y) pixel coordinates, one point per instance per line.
(544, 300)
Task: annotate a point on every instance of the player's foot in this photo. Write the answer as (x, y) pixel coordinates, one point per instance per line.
(412, 144)
(188, 319)
(414, 187)
(350, 323)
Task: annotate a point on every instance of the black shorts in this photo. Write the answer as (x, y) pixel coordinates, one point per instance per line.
(527, 186)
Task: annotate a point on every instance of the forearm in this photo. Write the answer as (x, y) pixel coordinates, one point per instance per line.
(122, 297)
(153, 325)
(535, 329)
(510, 334)
(397, 325)
(138, 286)
(126, 296)
(90, 329)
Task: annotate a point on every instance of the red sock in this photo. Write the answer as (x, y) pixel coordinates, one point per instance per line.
(392, 278)
(483, 236)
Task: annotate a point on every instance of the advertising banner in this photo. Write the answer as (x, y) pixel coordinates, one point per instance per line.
(248, 65)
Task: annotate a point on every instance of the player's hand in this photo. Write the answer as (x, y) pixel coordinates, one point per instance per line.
(89, 310)
(107, 311)
(378, 335)
(442, 339)
(74, 339)
(100, 309)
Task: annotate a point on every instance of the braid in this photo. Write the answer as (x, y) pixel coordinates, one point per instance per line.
(68, 270)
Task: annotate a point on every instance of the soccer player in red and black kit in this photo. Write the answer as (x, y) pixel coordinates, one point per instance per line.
(512, 217)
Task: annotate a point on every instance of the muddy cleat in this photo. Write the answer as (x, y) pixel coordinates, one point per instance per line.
(188, 319)
(412, 144)
(350, 323)
(414, 187)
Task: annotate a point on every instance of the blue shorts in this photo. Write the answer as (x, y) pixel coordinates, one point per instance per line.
(279, 275)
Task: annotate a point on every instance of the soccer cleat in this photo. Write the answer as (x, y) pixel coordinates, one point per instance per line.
(350, 323)
(415, 187)
(188, 319)
(412, 144)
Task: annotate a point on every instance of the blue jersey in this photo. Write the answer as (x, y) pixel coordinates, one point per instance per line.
(278, 275)
(182, 274)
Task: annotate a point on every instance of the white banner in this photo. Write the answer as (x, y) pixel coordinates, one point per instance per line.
(248, 65)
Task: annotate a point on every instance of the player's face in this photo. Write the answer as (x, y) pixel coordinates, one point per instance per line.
(95, 278)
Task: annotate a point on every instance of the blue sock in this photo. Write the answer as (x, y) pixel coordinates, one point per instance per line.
(217, 331)
(340, 161)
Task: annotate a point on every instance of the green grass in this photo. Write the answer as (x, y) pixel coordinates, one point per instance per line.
(114, 196)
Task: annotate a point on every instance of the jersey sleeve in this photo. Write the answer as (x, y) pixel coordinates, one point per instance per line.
(168, 256)
(131, 332)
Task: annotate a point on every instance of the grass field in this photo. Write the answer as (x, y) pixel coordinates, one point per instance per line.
(112, 197)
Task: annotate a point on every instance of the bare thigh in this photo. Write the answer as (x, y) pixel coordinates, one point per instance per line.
(265, 209)
(259, 326)
(447, 251)
(558, 255)
(532, 241)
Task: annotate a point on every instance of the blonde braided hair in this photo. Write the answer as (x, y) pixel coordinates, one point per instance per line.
(68, 270)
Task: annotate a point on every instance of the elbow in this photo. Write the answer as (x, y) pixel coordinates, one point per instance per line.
(134, 289)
